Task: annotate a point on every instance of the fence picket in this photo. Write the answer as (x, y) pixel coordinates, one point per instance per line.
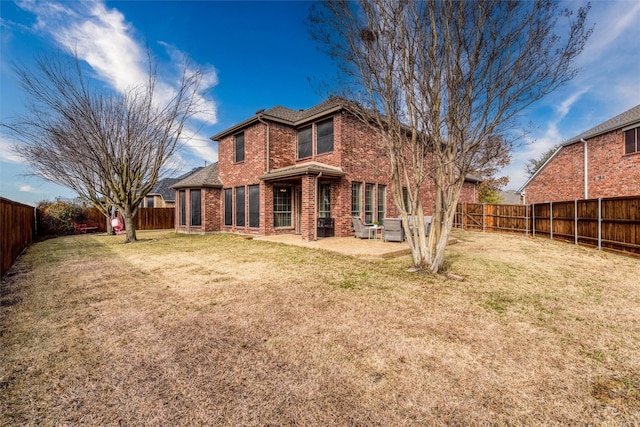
(17, 229)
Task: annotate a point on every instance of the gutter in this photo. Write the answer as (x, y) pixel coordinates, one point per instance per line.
(586, 170)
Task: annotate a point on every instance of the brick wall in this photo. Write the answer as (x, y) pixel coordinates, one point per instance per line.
(611, 173)
(211, 209)
(357, 151)
(244, 173)
(210, 206)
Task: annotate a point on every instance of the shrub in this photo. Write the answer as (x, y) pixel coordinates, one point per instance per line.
(59, 217)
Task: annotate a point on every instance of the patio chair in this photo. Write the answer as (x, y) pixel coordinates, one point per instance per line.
(427, 224)
(362, 231)
(393, 231)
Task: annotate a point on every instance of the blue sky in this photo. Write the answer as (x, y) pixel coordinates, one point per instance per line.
(259, 54)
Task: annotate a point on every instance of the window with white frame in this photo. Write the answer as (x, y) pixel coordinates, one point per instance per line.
(369, 194)
(281, 207)
(324, 194)
(382, 202)
(356, 194)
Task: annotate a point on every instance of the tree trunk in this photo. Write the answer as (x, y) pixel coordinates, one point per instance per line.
(130, 226)
(437, 246)
(417, 238)
(109, 226)
(447, 196)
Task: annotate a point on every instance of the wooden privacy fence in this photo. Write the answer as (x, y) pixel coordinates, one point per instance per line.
(155, 218)
(17, 227)
(611, 224)
(146, 218)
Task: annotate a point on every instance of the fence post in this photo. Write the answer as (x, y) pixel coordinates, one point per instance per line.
(575, 222)
(463, 215)
(526, 220)
(483, 219)
(551, 220)
(533, 220)
(599, 223)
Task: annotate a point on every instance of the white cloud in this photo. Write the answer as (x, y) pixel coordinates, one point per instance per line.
(613, 21)
(28, 189)
(7, 153)
(99, 36)
(200, 144)
(103, 38)
(607, 85)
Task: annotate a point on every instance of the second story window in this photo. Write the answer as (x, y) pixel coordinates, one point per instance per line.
(239, 148)
(324, 137)
(632, 141)
(305, 143)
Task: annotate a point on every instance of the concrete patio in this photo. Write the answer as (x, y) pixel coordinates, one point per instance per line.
(360, 248)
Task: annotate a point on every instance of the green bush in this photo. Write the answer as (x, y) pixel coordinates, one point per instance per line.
(59, 217)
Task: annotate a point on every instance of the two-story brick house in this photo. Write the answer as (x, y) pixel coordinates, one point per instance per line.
(604, 161)
(284, 171)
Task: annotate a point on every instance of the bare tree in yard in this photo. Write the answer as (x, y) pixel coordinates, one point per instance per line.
(107, 148)
(443, 83)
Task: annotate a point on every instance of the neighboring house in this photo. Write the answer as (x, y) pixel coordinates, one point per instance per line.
(601, 162)
(161, 195)
(284, 171)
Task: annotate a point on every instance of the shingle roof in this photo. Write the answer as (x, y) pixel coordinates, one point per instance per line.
(629, 117)
(296, 116)
(163, 186)
(287, 115)
(206, 177)
(314, 168)
(191, 172)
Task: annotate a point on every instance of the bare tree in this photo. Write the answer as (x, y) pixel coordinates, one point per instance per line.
(108, 148)
(443, 82)
(533, 164)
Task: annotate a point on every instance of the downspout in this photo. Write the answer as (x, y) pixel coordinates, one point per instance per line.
(586, 170)
(315, 216)
(268, 142)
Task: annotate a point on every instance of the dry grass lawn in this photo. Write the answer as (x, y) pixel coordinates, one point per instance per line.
(221, 330)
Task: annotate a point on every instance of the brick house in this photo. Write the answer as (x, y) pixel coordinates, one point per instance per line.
(284, 171)
(601, 162)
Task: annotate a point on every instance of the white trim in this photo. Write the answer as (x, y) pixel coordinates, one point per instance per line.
(633, 126)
